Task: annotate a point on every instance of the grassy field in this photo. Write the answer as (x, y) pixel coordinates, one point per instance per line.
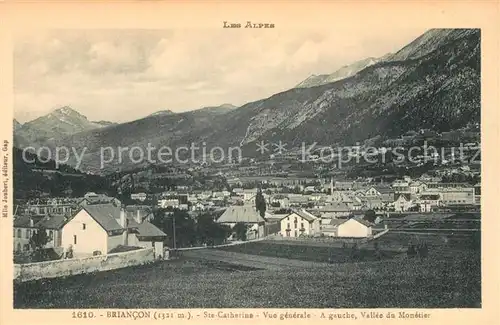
(309, 253)
(449, 278)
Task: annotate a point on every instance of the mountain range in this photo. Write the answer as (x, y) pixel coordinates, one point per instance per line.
(432, 83)
(221, 109)
(342, 73)
(59, 123)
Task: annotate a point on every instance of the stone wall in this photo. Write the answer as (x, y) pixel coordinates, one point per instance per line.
(59, 268)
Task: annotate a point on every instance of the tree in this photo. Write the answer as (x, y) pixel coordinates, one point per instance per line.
(260, 203)
(39, 239)
(185, 232)
(370, 216)
(240, 230)
(209, 232)
(57, 185)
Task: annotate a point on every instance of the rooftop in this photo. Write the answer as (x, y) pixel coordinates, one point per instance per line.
(245, 214)
(147, 229)
(108, 216)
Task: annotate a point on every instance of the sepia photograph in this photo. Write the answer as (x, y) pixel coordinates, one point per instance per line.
(315, 173)
(175, 163)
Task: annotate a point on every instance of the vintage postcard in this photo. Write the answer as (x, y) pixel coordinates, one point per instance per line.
(300, 162)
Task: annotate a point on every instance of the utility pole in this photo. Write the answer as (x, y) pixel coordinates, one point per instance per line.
(173, 226)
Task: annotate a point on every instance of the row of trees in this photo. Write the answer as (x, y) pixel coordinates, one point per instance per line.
(190, 231)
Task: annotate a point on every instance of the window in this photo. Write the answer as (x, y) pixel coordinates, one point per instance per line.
(18, 247)
(74, 239)
(84, 226)
(19, 233)
(28, 233)
(14, 233)
(302, 225)
(288, 226)
(51, 234)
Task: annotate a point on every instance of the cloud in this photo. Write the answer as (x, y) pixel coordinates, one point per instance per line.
(112, 57)
(122, 75)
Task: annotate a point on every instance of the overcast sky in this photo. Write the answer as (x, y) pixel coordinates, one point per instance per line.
(122, 75)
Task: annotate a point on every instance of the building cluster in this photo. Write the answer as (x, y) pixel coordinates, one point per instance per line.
(92, 225)
(295, 223)
(98, 224)
(341, 198)
(337, 209)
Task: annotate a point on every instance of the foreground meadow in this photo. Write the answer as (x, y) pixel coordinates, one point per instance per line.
(447, 278)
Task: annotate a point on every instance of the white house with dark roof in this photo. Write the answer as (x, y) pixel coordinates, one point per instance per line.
(60, 206)
(95, 228)
(98, 198)
(384, 192)
(300, 222)
(428, 202)
(102, 227)
(402, 202)
(417, 187)
(401, 186)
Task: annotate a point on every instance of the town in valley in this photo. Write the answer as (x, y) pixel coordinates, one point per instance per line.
(383, 210)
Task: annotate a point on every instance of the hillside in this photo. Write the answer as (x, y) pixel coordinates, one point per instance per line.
(433, 83)
(222, 109)
(438, 91)
(16, 125)
(59, 123)
(342, 73)
(35, 177)
(104, 123)
(428, 42)
(215, 110)
(162, 112)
